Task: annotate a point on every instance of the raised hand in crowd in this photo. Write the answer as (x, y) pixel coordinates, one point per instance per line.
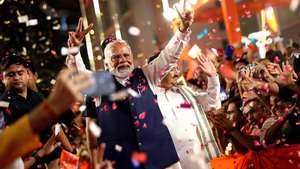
(75, 38)
(206, 65)
(274, 69)
(221, 121)
(263, 73)
(286, 76)
(186, 19)
(98, 161)
(68, 85)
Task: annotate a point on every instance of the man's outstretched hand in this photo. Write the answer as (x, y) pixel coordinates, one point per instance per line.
(75, 38)
(186, 19)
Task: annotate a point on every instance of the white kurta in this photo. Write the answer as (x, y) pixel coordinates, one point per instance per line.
(183, 125)
(153, 71)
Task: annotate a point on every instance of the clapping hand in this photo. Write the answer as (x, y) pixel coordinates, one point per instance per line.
(221, 121)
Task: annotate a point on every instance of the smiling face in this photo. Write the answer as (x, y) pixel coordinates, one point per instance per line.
(119, 59)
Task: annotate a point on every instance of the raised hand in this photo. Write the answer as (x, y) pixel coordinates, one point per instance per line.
(222, 122)
(286, 76)
(262, 72)
(98, 161)
(186, 18)
(206, 65)
(69, 85)
(75, 38)
(274, 68)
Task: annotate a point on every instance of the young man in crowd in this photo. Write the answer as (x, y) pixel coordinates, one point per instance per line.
(21, 99)
(22, 136)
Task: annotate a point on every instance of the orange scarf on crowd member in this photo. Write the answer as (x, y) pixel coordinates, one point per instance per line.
(284, 157)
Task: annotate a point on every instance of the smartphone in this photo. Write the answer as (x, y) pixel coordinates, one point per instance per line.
(104, 85)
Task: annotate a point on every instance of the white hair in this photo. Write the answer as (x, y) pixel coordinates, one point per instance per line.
(108, 51)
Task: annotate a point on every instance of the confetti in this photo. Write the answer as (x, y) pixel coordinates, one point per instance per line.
(104, 108)
(142, 115)
(57, 129)
(256, 143)
(202, 34)
(185, 105)
(95, 129)
(133, 93)
(276, 59)
(294, 5)
(114, 106)
(139, 157)
(134, 31)
(32, 22)
(265, 87)
(145, 126)
(137, 123)
(118, 148)
(23, 19)
(82, 108)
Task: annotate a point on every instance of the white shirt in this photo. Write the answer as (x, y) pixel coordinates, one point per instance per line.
(182, 122)
(155, 70)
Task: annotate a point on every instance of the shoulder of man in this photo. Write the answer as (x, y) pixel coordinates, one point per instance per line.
(5, 96)
(37, 95)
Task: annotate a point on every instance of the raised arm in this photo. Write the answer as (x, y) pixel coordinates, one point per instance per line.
(211, 98)
(171, 53)
(74, 60)
(22, 136)
(245, 140)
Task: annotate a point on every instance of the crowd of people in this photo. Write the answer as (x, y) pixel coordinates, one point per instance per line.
(238, 111)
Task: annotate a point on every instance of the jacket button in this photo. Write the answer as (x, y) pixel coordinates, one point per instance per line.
(132, 104)
(140, 144)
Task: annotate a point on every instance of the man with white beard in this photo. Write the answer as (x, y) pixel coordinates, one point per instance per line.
(134, 124)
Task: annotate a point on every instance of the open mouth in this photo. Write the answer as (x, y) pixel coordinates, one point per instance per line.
(123, 67)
